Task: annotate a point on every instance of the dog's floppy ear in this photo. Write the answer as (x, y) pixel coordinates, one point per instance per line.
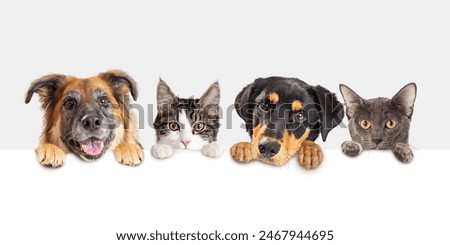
(121, 82)
(405, 99)
(46, 88)
(331, 112)
(244, 106)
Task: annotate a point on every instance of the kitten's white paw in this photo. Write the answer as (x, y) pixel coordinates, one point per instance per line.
(161, 151)
(212, 150)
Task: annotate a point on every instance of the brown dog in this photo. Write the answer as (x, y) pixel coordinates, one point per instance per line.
(87, 116)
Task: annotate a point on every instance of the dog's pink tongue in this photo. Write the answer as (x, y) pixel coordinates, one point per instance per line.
(92, 147)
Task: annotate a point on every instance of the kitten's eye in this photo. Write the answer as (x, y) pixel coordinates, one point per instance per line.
(264, 106)
(174, 126)
(103, 101)
(69, 104)
(391, 124)
(199, 126)
(365, 124)
(299, 117)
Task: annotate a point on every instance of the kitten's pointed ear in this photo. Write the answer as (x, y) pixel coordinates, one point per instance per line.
(351, 99)
(164, 96)
(46, 88)
(211, 96)
(331, 112)
(405, 98)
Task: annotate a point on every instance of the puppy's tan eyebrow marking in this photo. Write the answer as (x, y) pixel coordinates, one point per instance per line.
(297, 105)
(273, 97)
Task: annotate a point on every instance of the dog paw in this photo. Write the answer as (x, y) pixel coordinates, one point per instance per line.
(403, 152)
(351, 148)
(129, 154)
(161, 151)
(310, 155)
(50, 155)
(212, 150)
(242, 152)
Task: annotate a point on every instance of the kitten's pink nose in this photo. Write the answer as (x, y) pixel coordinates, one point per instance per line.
(185, 143)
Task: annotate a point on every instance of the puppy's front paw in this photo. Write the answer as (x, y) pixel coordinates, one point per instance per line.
(129, 154)
(351, 148)
(212, 150)
(161, 151)
(50, 155)
(310, 155)
(242, 152)
(403, 152)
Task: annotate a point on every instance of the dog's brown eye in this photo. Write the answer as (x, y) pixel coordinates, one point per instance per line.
(174, 126)
(264, 106)
(364, 124)
(103, 102)
(199, 126)
(69, 104)
(299, 117)
(391, 124)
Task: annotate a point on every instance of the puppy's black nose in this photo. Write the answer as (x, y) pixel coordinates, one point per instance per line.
(91, 123)
(377, 141)
(269, 149)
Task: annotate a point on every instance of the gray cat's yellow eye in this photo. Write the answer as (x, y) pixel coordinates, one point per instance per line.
(199, 126)
(364, 124)
(391, 124)
(174, 126)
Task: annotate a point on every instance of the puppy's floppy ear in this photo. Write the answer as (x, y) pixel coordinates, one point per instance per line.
(121, 82)
(352, 100)
(46, 88)
(331, 112)
(244, 106)
(405, 99)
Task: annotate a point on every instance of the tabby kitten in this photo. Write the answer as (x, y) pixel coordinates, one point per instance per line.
(186, 123)
(379, 123)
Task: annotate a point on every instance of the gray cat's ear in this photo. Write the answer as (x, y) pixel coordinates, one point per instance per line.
(211, 96)
(351, 99)
(405, 98)
(164, 96)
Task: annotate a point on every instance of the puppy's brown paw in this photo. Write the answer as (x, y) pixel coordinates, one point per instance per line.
(310, 155)
(242, 152)
(50, 155)
(129, 154)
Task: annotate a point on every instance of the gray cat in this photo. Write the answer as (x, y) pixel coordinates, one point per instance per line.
(379, 123)
(187, 123)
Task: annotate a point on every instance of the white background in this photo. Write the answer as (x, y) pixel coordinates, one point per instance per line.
(372, 199)
(375, 48)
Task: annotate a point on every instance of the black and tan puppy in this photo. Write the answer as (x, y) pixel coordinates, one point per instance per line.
(87, 116)
(283, 117)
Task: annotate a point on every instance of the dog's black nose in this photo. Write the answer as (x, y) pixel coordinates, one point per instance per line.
(377, 141)
(269, 149)
(91, 123)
